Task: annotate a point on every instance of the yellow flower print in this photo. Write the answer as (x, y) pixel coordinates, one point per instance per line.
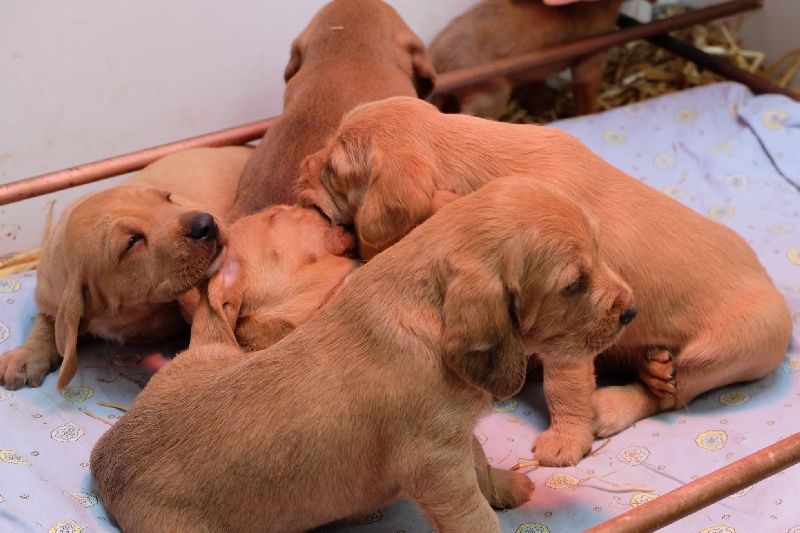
(737, 181)
(664, 161)
(719, 529)
(533, 528)
(685, 115)
(14, 458)
(721, 212)
(737, 397)
(4, 332)
(712, 440)
(791, 365)
(675, 191)
(84, 499)
(633, 455)
(5, 395)
(66, 526)
(794, 255)
(614, 137)
(505, 406)
(69, 432)
(127, 359)
(635, 110)
(642, 497)
(721, 148)
(773, 119)
(561, 481)
(77, 394)
(9, 285)
(782, 228)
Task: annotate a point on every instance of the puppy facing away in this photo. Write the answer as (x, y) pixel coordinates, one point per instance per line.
(393, 375)
(499, 29)
(707, 309)
(352, 51)
(119, 259)
(280, 267)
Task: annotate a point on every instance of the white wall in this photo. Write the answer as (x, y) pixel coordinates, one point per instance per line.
(83, 80)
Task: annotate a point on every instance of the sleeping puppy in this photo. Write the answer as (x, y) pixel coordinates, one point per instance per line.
(280, 267)
(392, 374)
(499, 29)
(119, 259)
(352, 51)
(707, 308)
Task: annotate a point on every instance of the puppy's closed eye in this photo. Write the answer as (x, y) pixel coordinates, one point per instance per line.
(577, 286)
(131, 243)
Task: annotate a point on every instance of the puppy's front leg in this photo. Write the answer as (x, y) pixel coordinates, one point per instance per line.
(32, 360)
(568, 387)
(503, 489)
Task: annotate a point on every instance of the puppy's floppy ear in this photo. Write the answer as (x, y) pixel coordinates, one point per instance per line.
(394, 201)
(295, 58)
(481, 339)
(423, 74)
(68, 328)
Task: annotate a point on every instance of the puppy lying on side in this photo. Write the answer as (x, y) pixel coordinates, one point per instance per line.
(393, 375)
(707, 308)
(352, 51)
(280, 267)
(119, 259)
(499, 29)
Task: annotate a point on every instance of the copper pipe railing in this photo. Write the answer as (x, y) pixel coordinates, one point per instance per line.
(115, 166)
(706, 490)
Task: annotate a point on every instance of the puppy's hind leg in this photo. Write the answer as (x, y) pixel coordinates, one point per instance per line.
(659, 373)
(736, 348)
(503, 489)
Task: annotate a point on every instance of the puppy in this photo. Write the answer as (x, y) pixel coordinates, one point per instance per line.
(352, 51)
(499, 29)
(392, 374)
(119, 259)
(707, 308)
(280, 267)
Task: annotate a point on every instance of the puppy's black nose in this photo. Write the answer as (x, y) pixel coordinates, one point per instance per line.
(203, 226)
(628, 315)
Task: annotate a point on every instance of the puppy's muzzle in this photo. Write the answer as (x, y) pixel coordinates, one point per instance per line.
(203, 227)
(628, 315)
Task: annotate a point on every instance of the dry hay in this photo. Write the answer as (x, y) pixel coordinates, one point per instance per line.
(639, 70)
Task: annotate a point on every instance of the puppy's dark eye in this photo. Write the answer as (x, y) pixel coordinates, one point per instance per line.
(132, 241)
(575, 287)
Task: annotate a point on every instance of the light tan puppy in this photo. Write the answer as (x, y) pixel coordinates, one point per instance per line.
(499, 29)
(118, 260)
(392, 376)
(352, 51)
(280, 267)
(707, 308)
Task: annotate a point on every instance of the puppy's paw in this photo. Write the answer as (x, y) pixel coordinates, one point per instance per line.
(562, 448)
(509, 489)
(659, 374)
(22, 365)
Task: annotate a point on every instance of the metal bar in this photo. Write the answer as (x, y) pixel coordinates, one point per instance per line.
(557, 54)
(706, 490)
(716, 64)
(114, 166)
